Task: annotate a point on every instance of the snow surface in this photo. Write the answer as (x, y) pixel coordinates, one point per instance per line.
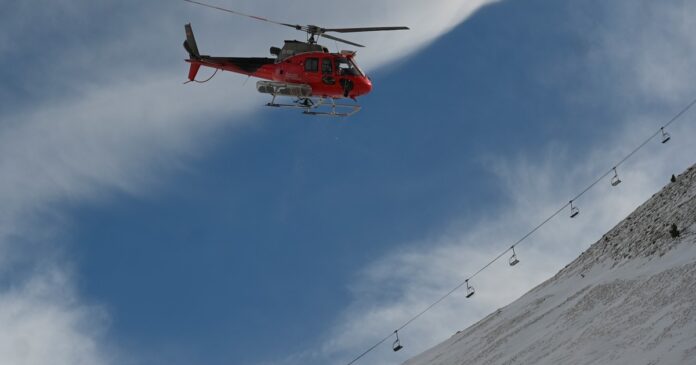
(629, 299)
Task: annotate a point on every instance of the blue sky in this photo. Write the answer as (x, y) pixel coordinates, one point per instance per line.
(150, 222)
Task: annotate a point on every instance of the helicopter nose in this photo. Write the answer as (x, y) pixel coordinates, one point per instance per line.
(366, 86)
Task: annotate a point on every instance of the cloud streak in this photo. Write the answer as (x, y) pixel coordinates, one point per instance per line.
(43, 322)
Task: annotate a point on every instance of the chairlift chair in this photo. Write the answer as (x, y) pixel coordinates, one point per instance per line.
(574, 211)
(513, 259)
(469, 289)
(665, 136)
(397, 344)
(615, 180)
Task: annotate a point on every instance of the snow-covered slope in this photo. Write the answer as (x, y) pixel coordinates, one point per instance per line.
(629, 299)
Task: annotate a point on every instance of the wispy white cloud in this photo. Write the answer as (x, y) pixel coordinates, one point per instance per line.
(427, 21)
(651, 48)
(43, 322)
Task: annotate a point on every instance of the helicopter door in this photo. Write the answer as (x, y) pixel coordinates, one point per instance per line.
(327, 73)
(311, 70)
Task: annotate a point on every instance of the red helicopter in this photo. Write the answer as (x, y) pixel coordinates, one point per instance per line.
(306, 70)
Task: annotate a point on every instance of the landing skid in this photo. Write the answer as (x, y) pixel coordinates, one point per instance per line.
(319, 106)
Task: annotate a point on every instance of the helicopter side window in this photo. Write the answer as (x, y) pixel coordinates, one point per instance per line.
(345, 67)
(326, 66)
(311, 65)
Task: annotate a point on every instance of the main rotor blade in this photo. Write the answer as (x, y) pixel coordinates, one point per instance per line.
(364, 29)
(298, 27)
(341, 40)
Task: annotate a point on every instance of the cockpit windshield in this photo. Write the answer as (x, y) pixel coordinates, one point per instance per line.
(346, 66)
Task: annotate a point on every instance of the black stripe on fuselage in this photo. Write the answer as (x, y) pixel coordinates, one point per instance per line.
(247, 64)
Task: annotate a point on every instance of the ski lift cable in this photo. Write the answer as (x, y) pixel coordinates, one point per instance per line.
(371, 348)
(511, 247)
(674, 118)
(486, 266)
(630, 154)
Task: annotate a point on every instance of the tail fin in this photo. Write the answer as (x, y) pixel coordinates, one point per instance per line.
(192, 49)
(190, 43)
(193, 70)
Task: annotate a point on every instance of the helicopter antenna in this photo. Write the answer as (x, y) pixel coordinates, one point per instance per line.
(313, 31)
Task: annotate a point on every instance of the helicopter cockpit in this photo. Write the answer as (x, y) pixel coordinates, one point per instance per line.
(347, 67)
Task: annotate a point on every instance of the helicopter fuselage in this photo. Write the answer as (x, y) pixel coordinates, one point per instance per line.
(328, 75)
(304, 70)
